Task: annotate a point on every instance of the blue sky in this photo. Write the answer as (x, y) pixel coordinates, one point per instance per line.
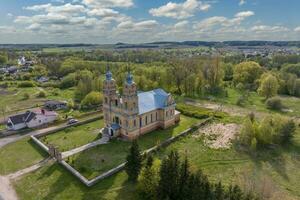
(111, 21)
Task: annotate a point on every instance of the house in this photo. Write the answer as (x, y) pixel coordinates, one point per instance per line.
(42, 79)
(21, 61)
(12, 69)
(55, 105)
(135, 113)
(31, 119)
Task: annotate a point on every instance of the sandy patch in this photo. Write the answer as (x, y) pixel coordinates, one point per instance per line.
(219, 136)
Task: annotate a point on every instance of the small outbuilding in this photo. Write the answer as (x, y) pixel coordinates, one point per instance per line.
(55, 105)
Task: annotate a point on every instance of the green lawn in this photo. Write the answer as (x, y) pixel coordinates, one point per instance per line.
(19, 155)
(56, 183)
(73, 137)
(277, 169)
(95, 161)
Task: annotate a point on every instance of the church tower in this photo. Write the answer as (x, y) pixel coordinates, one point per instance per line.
(110, 97)
(130, 97)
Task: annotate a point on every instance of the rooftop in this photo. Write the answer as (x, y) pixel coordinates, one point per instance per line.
(152, 100)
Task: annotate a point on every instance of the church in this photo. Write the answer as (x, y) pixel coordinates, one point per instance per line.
(135, 113)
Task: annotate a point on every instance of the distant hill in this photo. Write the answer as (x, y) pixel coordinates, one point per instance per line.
(153, 45)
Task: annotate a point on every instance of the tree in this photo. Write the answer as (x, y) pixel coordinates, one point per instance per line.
(269, 86)
(183, 179)
(287, 131)
(92, 99)
(148, 180)
(3, 58)
(213, 74)
(169, 175)
(247, 73)
(219, 192)
(134, 162)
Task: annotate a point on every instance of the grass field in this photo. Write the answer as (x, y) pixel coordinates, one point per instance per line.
(19, 155)
(13, 97)
(73, 137)
(97, 160)
(256, 102)
(277, 169)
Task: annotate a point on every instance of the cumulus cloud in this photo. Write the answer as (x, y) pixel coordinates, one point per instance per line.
(212, 22)
(108, 3)
(179, 10)
(61, 9)
(242, 2)
(297, 29)
(265, 28)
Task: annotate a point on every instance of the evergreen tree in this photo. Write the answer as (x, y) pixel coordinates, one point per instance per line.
(183, 179)
(219, 192)
(148, 181)
(134, 162)
(169, 175)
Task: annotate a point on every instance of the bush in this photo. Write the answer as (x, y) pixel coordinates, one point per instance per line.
(92, 99)
(197, 112)
(26, 96)
(41, 94)
(24, 84)
(68, 81)
(274, 103)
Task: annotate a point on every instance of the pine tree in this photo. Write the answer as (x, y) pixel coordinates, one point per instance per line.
(183, 179)
(169, 175)
(134, 162)
(219, 192)
(148, 181)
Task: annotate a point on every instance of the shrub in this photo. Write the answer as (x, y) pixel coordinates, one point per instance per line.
(26, 96)
(41, 94)
(92, 99)
(197, 112)
(274, 103)
(24, 84)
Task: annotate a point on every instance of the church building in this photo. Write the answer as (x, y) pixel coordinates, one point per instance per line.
(135, 113)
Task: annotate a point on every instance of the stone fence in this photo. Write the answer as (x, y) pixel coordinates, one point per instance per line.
(120, 167)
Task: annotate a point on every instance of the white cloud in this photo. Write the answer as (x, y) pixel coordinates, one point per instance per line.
(244, 14)
(9, 15)
(265, 28)
(181, 24)
(297, 29)
(61, 9)
(179, 10)
(242, 2)
(215, 21)
(58, 1)
(108, 3)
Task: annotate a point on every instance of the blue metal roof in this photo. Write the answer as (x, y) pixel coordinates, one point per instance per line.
(152, 100)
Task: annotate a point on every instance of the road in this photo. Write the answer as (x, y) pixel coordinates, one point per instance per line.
(14, 138)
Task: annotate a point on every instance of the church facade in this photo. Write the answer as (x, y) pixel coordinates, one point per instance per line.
(135, 113)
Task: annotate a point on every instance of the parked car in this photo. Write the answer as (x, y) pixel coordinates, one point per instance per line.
(72, 121)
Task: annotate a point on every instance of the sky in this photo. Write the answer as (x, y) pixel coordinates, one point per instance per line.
(140, 21)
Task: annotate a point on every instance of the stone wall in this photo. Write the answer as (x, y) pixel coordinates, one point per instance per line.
(120, 167)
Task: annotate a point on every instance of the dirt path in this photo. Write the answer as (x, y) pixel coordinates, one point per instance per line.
(7, 192)
(32, 168)
(103, 140)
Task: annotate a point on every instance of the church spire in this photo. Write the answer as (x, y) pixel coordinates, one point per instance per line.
(129, 77)
(108, 74)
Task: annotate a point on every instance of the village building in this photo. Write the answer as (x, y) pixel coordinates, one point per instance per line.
(135, 113)
(55, 105)
(31, 119)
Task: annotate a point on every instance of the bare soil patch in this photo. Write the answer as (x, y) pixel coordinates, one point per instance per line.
(219, 135)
